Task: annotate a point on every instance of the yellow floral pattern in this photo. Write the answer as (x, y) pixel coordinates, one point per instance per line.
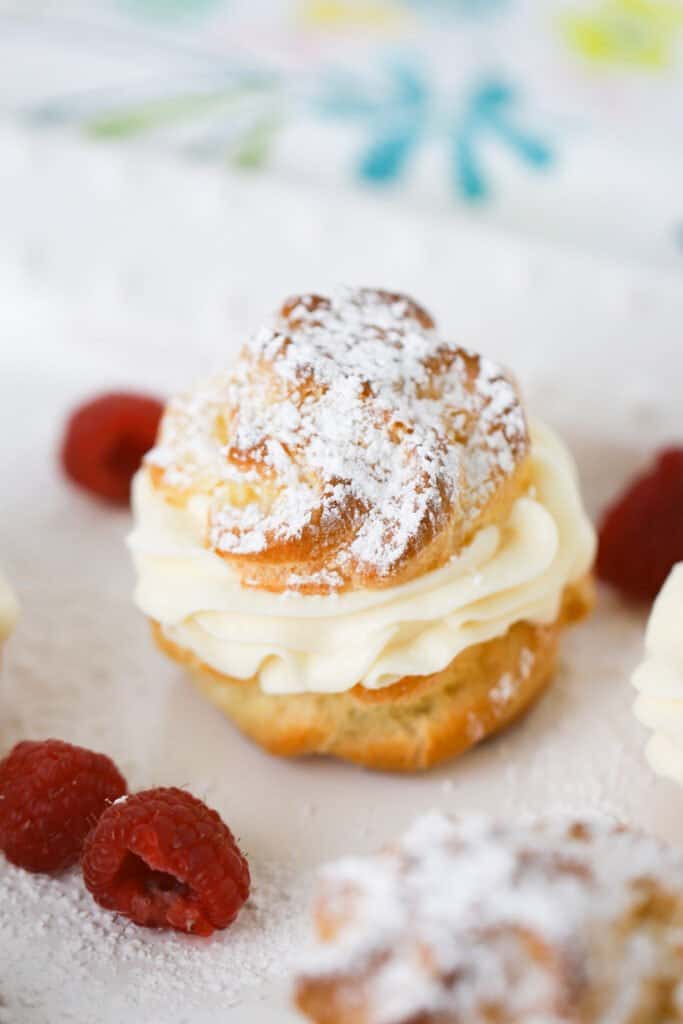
(632, 33)
(350, 14)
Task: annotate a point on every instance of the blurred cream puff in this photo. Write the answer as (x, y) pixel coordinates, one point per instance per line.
(476, 921)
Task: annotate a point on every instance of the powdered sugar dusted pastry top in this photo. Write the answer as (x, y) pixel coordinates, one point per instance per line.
(473, 921)
(659, 680)
(350, 446)
(8, 609)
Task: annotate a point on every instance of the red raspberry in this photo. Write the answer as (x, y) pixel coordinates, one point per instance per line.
(641, 535)
(51, 795)
(105, 441)
(166, 860)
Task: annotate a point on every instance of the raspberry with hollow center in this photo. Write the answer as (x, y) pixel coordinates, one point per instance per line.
(105, 441)
(165, 860)
(51, 795)
(641, 534)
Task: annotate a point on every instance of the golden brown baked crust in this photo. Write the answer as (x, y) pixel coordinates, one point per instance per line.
(350, 447)
(412, 725)
(478, 922)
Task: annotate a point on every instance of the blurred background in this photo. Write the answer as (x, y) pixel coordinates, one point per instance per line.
(562, 119)
(171, 169)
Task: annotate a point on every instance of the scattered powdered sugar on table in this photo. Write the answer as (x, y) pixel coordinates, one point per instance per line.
(350, 423)
(91, 950)
(87, 685)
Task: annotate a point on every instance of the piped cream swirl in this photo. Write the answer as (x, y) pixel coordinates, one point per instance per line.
(659, 680)
(296, 643)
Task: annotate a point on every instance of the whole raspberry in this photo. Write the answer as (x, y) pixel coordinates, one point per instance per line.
(51, 795)
(166, 860)
(105, 441)
(641, 535)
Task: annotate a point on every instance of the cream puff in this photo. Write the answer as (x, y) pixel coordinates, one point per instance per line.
(356, 541)
(475, 922)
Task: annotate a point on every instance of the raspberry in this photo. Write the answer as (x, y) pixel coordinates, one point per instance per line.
(105, 440)
(641, 535)
(51, 795)
(166, 860)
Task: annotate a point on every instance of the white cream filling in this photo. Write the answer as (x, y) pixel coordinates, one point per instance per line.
(8, 609)
(327, 644)
(659, 680)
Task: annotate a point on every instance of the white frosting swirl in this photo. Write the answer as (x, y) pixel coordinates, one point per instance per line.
(8, 609)
(327, 644)
(659, 680)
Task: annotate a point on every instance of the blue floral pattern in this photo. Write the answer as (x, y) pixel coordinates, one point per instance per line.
(408, 112)
(568, 109)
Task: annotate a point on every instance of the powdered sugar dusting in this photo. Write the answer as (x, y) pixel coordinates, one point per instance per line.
(95, 952)
(504, 690)
(62, 958)
(349, 424)
(464, 917)
(507, 686)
